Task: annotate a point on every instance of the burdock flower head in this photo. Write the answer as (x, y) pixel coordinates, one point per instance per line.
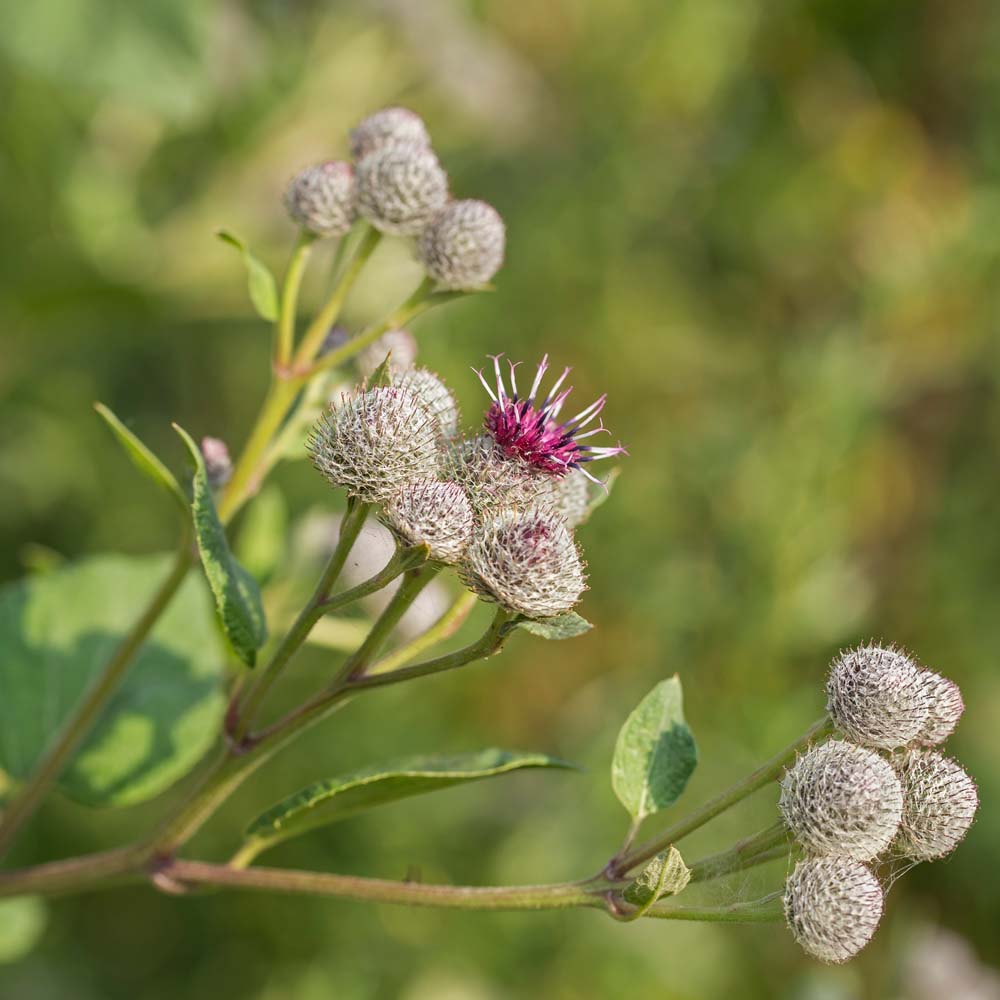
(529, 429)
(401, 187)
(373, 442)
(832, 906)
(386, 127)
(432, 513)
(463, 246)
(525, 561)
(323, 198)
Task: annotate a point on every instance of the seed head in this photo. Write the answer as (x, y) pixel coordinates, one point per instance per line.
(841, 799)
(434, 394)
(876, 697)
(832, 906)
(431, 513)
(400, 345)
(525, 561)
(323, 198)
(373, 442)
(529, 428)
(218, 464)
(492, 480)
(401, 187)
(386, 127)
(944, 708)
(463, 246)
(939, 804)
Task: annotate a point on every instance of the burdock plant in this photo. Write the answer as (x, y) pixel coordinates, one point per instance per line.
(496, 508)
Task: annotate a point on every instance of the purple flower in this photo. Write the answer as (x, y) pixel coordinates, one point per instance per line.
(530, 430)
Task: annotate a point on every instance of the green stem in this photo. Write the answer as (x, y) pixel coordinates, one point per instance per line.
(767, 910)
(76, 727)
(444, 628)
(75, 874)
(247, 472)
(285, 340)
(489, 644)
(328, 315)
(413, 582)
(520, 897)
(422, 299)
(765, 774)
(736, 858)
(350, 528)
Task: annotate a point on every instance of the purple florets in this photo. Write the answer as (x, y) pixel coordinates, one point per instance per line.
(529, 429)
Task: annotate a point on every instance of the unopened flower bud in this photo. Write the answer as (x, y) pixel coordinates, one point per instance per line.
(432, 513)
(218, 465)
(832, 906)
(841, 799)
(525, 561)
(373, 442)
(399, 345)
(323, 198)
(944, 708)
(401, 187)
(876, 697)
(939, 804)
(434, 394)
(386, 127)
(463, 246)
(571, 497)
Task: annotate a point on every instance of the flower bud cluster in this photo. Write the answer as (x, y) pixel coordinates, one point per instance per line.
(505, 522)
(397, 184)
(846, 804)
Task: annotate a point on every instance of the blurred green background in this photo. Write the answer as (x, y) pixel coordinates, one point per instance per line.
(770, 231)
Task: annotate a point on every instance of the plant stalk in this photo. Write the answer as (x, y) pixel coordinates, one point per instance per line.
(765, 774)
(285, 338)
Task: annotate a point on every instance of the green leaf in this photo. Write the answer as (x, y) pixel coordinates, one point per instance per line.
(665, 875)
(655, 754)
(237, 596)
(382, 376)
(260, 282)
(142, 458)
(58, 630)
(260, 545)
(566, 626)
(337, 798)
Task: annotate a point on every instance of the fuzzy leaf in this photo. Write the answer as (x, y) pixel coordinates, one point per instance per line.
(142, 458)
(655, 754)
(337, 798)
(665, 875)
(260, 282)
(237, 596)
(57, 631)
(566, 626)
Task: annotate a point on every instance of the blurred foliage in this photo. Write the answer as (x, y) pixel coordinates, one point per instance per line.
(770, 231)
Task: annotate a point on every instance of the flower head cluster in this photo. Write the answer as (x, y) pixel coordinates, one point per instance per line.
(847, 804)
(505, 521)
(396, 183)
